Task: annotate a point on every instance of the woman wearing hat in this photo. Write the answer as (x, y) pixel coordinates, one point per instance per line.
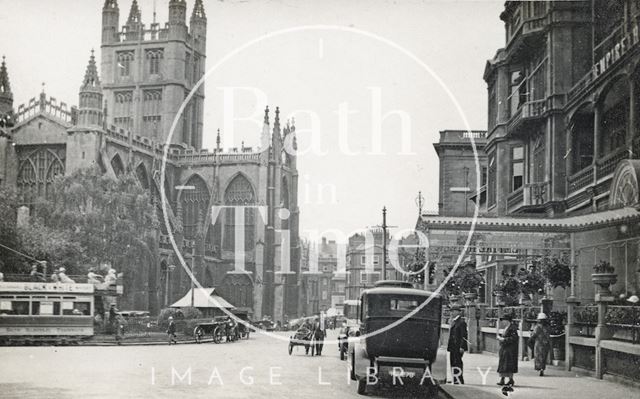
(540, 342)
(508, 353)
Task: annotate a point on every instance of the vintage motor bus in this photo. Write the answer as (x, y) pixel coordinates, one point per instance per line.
(32, 312)
(410, 346)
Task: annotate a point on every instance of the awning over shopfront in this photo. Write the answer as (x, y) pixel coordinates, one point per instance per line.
(568, 224)
(203, 298)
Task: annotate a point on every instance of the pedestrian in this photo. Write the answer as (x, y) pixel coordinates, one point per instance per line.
(36, 276)
(319, 340)
(457, 344)
(540, 343)
(54, 276)
(171, 331)
(148, 330)
(508, 352)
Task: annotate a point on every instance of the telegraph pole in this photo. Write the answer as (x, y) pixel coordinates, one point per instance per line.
(384, 242)
(193, 276)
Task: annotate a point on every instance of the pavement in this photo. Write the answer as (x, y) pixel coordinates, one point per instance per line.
(556, 383)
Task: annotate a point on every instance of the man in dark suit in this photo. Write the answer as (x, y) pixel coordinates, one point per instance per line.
(457, 343)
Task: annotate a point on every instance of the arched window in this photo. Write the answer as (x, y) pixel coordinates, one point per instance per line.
(117, 165)
(194, 205)
(615, 113)
(239, 193)
(36, 174)
(143, 177)
(284, 202)
(582, 139)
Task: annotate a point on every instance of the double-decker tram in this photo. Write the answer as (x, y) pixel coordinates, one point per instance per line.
(34, 312)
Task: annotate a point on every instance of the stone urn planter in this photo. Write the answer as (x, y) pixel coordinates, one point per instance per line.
(604, 281)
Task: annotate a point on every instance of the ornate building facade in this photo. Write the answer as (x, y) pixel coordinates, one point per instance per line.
(122, 124)
(562, 147)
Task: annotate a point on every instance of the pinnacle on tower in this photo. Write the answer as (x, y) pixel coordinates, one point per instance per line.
(198, 11)
(266, 136)
(5, 85)
(110, 4)
(135, 16)
(91, 79)
(218, 141)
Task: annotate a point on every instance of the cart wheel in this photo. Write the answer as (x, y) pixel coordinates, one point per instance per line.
(290, 348)
(362, 386)
(198, 334)
(218, 334)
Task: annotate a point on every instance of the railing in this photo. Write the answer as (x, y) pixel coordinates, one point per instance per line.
(515, 198)
(624, 323)
(534, 109)
(607, 44)
(607, 164)
(580, 85)
(536, 193)
(585, 320)
(581, 179)
(533, 24)
(474, 134)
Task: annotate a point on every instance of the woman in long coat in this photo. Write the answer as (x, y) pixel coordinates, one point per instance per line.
(508, 354)
(541, 343)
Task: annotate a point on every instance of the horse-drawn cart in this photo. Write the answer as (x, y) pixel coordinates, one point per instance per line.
(302, 337)
(221, 327)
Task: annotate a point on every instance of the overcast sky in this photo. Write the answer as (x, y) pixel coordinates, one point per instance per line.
(311, 72)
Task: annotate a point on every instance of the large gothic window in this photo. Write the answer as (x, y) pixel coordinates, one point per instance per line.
(117, 165)
(194, 205)
(239, 193)
(143, 177)
(152, 113)
(37, 172)
(123, 110)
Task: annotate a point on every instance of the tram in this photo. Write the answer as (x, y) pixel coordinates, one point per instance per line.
(33, 312)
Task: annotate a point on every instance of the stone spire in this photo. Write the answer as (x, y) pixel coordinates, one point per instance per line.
(90, 112)
(91, 81)
(6, 96)
(5, 85)
(276, 138)
(135, 16)
(265, 137)
(110, 21)
(218, 141)
(198, 11)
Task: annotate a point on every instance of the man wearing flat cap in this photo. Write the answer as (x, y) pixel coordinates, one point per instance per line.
(457, 343)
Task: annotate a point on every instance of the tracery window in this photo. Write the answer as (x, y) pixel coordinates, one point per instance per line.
(125, 59)
(37, 173)
(239, 193)
(194, 205)
(154, 61)
(117, 165)
(123, 110)
(152, 113)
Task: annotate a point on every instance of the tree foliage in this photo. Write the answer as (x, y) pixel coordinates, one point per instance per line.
(112, 220)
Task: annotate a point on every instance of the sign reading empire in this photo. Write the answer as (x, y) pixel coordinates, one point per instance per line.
(616, 52)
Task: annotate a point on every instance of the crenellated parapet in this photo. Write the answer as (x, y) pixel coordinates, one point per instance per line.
(47, 106)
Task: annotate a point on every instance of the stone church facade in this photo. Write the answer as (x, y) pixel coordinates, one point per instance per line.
(122, 124)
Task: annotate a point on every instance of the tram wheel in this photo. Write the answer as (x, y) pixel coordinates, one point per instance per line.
(218, 334)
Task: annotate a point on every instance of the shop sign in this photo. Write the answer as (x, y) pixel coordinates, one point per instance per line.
(616, 51)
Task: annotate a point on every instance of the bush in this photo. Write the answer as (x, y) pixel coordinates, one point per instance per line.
(178, 315)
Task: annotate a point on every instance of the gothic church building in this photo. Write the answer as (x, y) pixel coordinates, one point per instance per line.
(122, 124)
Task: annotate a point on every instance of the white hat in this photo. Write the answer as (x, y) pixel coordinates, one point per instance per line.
(62, 269)
(541, 316)
(633, 299)
(170, 318)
